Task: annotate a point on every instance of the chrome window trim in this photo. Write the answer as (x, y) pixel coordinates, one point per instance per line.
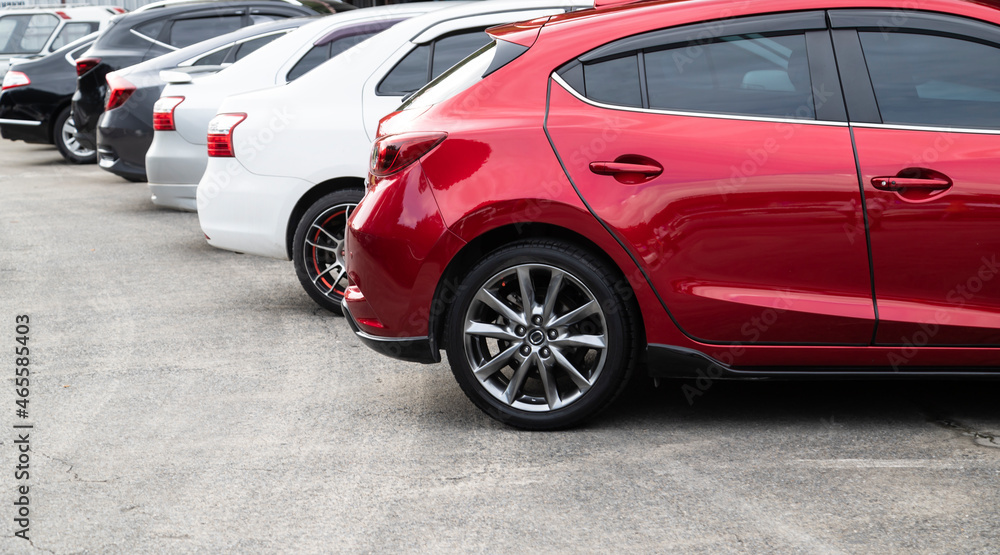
(904, 127)
(154, 41)
(193, 60)
(710, 115)
(69, 56)
(262, 35)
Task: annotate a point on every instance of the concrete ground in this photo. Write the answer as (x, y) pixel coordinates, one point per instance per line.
(186, 399)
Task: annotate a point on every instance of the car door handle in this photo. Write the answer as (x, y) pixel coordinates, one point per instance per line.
(630, 169)
(615, 168)
(898, 183)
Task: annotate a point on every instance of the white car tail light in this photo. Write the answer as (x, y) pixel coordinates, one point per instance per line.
(163, 113)
(220, 134)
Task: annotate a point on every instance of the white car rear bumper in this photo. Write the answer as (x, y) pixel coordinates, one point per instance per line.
(174, 167)
(244, 212)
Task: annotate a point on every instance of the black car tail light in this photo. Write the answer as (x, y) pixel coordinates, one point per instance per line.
(83, 65)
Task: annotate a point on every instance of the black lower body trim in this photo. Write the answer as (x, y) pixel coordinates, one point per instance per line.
(411, 349)
(665, 361)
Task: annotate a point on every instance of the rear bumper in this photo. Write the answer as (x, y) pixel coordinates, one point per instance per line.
(179, 196)
(410, 349)
(24, 130)
(23, 117)
(122, 142)
(245, 212)
(108, 159)
(397, 248)
(174, 168)
(172, 159)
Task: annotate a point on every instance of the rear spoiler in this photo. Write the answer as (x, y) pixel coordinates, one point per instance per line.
(523, 33)
(181, 75)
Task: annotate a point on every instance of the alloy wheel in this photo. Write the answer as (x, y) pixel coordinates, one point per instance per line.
(535, 337)
(68, 136)
(323, 251)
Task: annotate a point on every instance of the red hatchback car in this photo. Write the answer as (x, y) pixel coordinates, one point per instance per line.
(788, 188)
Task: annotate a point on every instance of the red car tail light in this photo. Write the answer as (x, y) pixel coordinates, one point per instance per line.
(220, 134)
(395, 152)
(163, 112)
(14, 79)
(119, 90)
(83, 65)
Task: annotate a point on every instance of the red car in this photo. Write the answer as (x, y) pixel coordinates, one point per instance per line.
(793, 188)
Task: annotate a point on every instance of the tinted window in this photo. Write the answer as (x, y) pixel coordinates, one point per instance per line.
(614, 81)
(149, 30)
(215, 58)
(248, 47)
(315, 56)
(319, 54)
(346, 43)
(460, 77)
(186, 32)
(409, 74)
(80, 50)
(934, 80)
(747, 74)
(71, 32)
(448, 51)
(138, 39)
(26, 34)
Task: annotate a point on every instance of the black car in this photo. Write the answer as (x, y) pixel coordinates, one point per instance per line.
(150, 32)
(35, 102)
(125, 131)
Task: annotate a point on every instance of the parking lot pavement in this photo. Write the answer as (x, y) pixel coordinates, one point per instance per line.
(186, 399)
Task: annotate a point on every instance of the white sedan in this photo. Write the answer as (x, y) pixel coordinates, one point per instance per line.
(177, 157)
(287, 165)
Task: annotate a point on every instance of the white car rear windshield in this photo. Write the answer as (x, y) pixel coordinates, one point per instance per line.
(460, 77)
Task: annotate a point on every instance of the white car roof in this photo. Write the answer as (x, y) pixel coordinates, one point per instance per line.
(75, 13)
(272, 57)
(166, 3)
(425, 27)
(316, 30)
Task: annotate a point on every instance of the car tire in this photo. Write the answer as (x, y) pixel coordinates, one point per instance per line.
(318, 247)
(514, 362)
(63, 137)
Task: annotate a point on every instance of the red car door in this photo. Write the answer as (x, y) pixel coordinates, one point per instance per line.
(929, 159)
(725, 167)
